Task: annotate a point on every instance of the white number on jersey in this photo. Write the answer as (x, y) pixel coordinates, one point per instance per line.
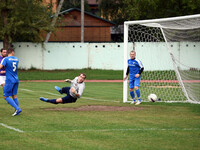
(14, 66)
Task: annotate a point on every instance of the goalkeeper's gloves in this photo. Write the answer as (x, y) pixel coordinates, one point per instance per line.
(68, 80)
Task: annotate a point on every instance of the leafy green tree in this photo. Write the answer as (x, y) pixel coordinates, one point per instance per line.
(119, 11)
(23, 20)
(113, 10)
(75, 4)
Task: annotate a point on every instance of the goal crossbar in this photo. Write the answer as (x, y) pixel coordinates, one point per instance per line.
(162, 19)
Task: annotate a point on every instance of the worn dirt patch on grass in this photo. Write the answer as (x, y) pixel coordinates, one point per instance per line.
(97, 108)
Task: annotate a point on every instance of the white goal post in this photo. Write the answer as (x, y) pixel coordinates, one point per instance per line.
(178, 39)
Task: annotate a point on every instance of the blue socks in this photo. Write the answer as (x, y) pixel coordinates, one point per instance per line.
(132, 95)
(138, 94)
(16, 101)
(12, 102)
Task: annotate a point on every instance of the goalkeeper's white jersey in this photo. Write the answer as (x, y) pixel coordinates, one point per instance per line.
(78, 86)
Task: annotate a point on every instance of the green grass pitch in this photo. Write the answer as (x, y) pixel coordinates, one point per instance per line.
(153, 126)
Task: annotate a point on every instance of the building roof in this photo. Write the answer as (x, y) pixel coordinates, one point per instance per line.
(93, 2)
(90, 14)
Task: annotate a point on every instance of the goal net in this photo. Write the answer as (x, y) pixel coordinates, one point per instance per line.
(170, 52)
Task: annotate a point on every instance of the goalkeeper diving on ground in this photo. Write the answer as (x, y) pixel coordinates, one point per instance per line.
(73, 92)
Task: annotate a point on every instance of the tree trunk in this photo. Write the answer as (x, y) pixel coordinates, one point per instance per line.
(54, 19)
(6, 43)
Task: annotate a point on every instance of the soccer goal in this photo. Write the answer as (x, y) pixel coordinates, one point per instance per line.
(169, 49)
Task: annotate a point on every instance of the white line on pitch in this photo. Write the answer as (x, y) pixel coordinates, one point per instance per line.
(43, 92)
(51, 93)
(26, 90)
(108, 130)
(9, 127)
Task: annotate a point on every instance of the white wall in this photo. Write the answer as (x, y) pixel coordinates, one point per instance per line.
(154, 56)
(65, 56)
(29, 54)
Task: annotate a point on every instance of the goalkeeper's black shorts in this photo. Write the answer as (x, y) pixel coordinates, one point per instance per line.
(68, 98)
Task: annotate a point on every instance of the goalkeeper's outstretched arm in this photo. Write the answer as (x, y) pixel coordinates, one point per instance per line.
(68, 80)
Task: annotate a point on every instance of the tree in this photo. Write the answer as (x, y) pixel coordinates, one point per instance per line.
(75, 4)
(23, 20)
(119, 11)
(113, 10)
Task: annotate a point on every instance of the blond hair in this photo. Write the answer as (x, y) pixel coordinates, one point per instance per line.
(132, 51)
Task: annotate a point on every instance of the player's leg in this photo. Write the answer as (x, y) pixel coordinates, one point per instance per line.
(2, 81)
(131, 88)
(58, 89)
(66, 99)
(11, 102)
(15, 89)
(8, 91)
(53, 101)
(18, 111)
(65, 90)
(15, 99)
(137, 90)
(3, 85)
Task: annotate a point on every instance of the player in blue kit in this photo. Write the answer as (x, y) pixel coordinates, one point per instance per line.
(11, 85)
(135, 68)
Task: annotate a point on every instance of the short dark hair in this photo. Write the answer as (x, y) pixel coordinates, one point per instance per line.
(10, 50)
(2, 49)
(83, 75)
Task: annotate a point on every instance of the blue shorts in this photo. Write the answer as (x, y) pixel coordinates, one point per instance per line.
(134, 82)
(10, 89)
(68, 98)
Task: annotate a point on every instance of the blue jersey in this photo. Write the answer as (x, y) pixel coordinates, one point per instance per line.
(2, 69)
(11, 63)
(134, 67)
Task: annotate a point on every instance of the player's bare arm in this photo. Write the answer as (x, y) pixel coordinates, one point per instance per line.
(68, 80)
(125, 77)
(2, 72)
(1, 66)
